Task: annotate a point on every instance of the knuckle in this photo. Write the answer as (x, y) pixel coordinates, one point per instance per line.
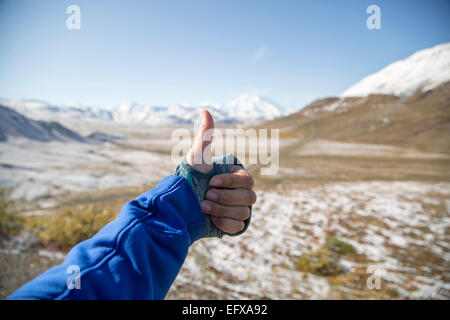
(204, 205)
(221, 196)
(217, 221)
(217, 192)
(211, 205)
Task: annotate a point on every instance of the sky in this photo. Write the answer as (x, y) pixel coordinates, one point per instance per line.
(192, 51)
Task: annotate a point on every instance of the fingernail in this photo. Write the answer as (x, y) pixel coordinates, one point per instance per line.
(216, 182)
(211, 195)
(206, 207)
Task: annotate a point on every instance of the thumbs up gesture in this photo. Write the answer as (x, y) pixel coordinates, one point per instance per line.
(227, 201)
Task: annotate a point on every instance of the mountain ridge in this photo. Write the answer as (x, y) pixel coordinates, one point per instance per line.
(14, 124)
(424, 69)
(421, 120)
(245, 108)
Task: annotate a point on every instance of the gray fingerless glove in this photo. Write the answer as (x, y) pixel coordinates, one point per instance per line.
(200, 183)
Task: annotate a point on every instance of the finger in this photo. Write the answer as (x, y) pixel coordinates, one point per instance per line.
(237, 213)
(205, 132)
(232, 197)
(199, 155)
(227, 224)
(239, 178)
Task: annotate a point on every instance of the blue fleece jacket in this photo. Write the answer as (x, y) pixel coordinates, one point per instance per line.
(137, 256)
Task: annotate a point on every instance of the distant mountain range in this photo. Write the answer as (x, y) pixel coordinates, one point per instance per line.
(245, 108)
(408, 79)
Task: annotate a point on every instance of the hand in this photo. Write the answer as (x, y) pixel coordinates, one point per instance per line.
(227, 207)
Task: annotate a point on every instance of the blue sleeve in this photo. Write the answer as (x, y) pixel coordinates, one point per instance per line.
(137, 256)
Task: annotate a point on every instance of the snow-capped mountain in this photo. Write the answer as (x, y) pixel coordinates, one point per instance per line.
(14, 124)
(425, 69)
(246, 108)
(131, 112)
(253, 108)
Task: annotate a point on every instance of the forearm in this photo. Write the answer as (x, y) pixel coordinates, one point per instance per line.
(137, 256)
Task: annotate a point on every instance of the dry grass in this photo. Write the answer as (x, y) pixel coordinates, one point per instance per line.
(326, 260)
(422, 121)
(10, 221)
(65, 229)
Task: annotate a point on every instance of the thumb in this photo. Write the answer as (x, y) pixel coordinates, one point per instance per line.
(199, 155)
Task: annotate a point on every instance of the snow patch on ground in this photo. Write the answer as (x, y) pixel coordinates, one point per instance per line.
(41, 170)
(391, 223)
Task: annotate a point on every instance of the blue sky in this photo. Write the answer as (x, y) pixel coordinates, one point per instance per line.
(191, 51)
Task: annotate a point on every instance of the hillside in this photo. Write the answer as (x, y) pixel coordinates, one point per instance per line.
(421, 120)
(14, 124)
(425, 69)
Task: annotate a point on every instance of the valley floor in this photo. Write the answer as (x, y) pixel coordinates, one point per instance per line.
(392, 205)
